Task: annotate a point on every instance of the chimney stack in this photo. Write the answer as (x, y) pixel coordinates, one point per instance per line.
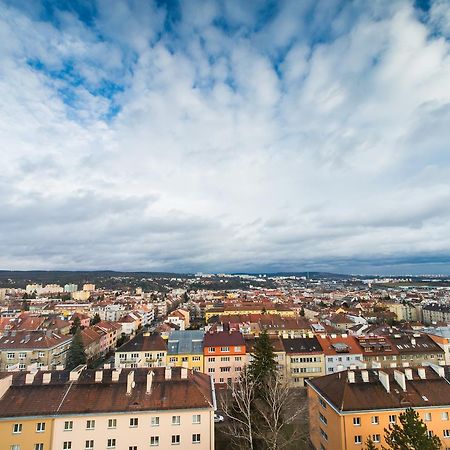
(98, 376)
(115, 374)
(184, 373)
(384, 380)
(350, 376)
(168, 373)
(150, 381)
(421, 372)
(365, 376)
(46, 377)
(29, 378)
(408, 374)
(130, 382)
(400, 379)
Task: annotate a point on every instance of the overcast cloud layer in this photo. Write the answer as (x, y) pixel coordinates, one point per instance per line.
(225, 136)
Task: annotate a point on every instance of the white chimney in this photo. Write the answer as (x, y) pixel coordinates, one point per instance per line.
(400, 379)
(46, 377)
(408, 374)
(150, 381)
(168, 373)
(384, 380)
(405, 364)
(75, 373)
(60, 367)
(29, 378)
(184, 373)
(98, 376)
(130, 382)
(422, 373)
(350, 376)
(438, 369)
(115, 374)
(365, 376)
(107, 366)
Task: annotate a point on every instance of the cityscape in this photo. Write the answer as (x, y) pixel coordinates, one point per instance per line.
(224, 224)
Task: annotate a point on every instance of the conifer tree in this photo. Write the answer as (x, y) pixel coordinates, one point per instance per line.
(96, 319)
(410, 434)
(76, 325)
(370, 444)
(263, 365)
(76, 354)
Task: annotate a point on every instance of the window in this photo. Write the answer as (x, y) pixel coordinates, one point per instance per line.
(196, 438)
(39, 446)
(154, 441)
(10, 355)
(211, 370)
(90, 424)
(154, 422)
(238, 358)
(112, 423)
(225, 369)
(358, 439)
(184, 359)
(430, 433)
(323, 434)
(22, 366)
(175, 420)
(14, 447)
(111, 443)
(89, 445)
(132, 447)
(211, 349)
(427, 417)
(133, 422)
(444, 415)
(322, 402)
(67, 445)
(68, 425)
(173, 359)
(392, 418)
(376, 438)
(175, 439)
(211, 359)
(196, 358)
(375, 420)
(323, 419)
(447, 434)
(237, 349)
(357, 421)
(196, 418)
(225, 358)
(40, 427)
(41, 354)
(17, 428)
(22, 355)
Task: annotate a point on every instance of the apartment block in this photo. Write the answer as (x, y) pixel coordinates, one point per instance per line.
(347, 408)
(185, 348)
(125, 409)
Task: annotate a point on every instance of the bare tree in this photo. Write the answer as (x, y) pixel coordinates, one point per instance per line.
(279, 410)
(264, 415)
(239, 411)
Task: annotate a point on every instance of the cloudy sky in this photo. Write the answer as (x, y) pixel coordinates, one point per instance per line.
(225, 135)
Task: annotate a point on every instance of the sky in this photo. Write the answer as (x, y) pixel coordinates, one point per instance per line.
(225, 136)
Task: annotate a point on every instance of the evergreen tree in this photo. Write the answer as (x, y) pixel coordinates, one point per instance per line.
(410, 434)
(76, 354)
(76, 325)
(96, 319)
(370, 444)
(263, 365)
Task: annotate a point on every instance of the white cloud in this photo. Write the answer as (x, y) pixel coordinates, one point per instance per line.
(317, 140)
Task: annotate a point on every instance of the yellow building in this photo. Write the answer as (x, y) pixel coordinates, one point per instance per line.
(347, 408)
(252, 308)
(185, 348)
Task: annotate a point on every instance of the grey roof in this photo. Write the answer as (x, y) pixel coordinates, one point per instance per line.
(185, 342)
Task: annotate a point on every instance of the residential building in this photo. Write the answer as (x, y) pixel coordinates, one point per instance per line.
(185, 348)
(144, 350)
(70, 287)
(107, 409)
(20, 349)
(305, 359)
(347, 408)
(224, 355)
(436, 312)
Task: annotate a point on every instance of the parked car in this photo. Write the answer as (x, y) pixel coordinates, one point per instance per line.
(218, 418)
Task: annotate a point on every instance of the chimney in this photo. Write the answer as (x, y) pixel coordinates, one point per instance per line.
(107, 366)
(46, 377)
(130, 382)
(344, 335)
(405, 364)
(400, 379)
(75, 373)
(384, 380)
(365, 376)
(438, 369)
(115, 374)
(350, 376)
(168, 373)
(98, 376)
(422, 373)
(29, 377)
(408, 374)
(150, 381)
(59, 367)
(184, 373)
(5, 383)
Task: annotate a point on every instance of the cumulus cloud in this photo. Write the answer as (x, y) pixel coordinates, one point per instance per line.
(225, 136)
